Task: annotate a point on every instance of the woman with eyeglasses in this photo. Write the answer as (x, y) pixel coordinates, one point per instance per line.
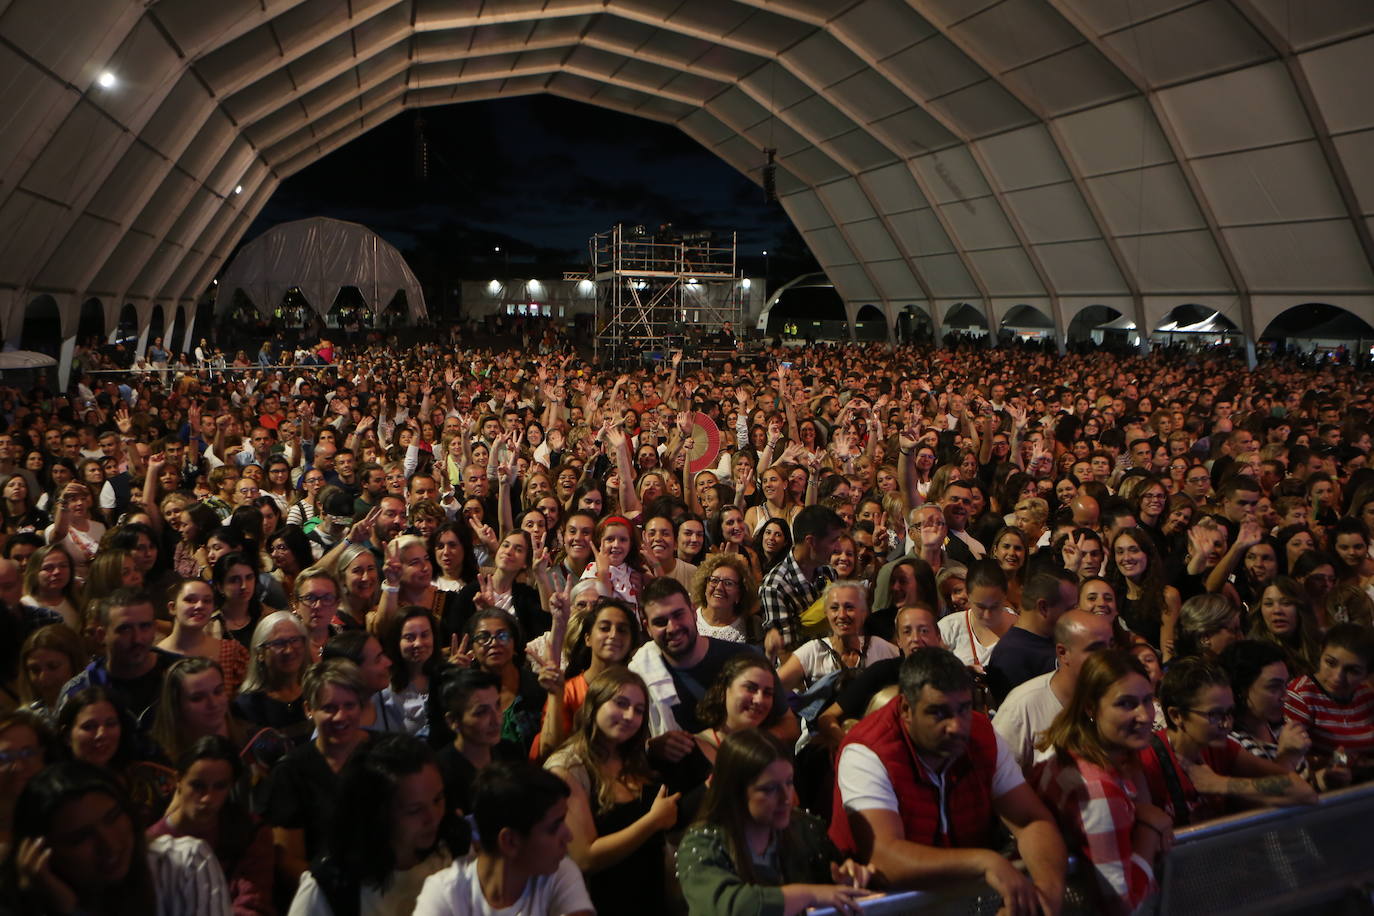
(192, 607)
(277, 483)
(726, 599)
(305, 512)
(26, 743)
(316, 599)
(492, 643)
(270, 695)
(1193, 767)
(75, 528)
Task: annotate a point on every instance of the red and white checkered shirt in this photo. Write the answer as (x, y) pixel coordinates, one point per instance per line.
(1096, 811)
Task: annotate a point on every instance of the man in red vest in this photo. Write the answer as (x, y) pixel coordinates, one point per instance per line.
(920, 783)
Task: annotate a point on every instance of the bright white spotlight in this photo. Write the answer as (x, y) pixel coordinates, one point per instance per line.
(691, 281)
(238, 189)
(106, 80)
(494, 287)
(745, 283)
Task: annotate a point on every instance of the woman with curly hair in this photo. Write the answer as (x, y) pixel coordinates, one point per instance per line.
(725, 595)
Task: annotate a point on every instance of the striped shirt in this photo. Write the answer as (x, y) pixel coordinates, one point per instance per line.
(1330, 722)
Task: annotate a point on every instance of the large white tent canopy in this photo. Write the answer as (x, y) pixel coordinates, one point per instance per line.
(319, 257)
(1138, 154)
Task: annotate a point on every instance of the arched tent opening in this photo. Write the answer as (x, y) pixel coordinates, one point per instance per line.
(1194, 326)
(172, 343)
(157, 322)
(90, 325)
(349, 313)
(1026, 322)
(1318, 328)
(126, 328)
(914, 325)
(1083, 325)
(806, 307)
(42, 327)
(963, 318)
(870, 323)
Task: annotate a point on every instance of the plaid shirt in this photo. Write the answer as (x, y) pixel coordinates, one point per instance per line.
(785, 593)
(1096, 811)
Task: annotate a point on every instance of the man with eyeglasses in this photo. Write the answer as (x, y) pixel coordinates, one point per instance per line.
(1197, 483)
(1193, 766)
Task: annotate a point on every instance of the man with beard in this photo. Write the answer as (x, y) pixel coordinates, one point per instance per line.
(678, 664)
(922, 782)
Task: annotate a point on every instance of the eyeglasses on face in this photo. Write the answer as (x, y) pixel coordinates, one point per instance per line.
(486, 638)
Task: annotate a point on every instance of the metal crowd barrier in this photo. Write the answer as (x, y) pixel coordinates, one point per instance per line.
(1310, 859)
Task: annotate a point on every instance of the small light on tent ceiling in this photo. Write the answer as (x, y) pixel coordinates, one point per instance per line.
(106, 79)
(691, 281)
(238, 189)
(494, 287)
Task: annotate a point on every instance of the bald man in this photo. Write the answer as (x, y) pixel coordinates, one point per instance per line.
(1031, 707)
(1085, 511)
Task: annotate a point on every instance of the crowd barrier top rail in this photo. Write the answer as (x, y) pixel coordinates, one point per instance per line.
(1270, 860)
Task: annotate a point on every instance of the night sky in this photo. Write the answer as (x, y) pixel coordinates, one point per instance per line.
(538, 176)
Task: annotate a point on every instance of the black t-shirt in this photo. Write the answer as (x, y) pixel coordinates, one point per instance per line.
(458, 773)
(855, 696)
(1019, 656)
(692, 683)
(301, 795)
(141, 694)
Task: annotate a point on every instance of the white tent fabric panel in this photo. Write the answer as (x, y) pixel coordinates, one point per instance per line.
(965, 149)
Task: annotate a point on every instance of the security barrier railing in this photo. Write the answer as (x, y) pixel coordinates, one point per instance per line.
(1310, 859)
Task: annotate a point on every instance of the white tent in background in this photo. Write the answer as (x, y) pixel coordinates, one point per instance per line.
(319, 257)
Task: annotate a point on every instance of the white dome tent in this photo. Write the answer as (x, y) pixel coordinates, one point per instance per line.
(1054, 153)
(319, 257)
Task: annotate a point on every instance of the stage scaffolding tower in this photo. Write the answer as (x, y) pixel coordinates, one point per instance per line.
(659, 291)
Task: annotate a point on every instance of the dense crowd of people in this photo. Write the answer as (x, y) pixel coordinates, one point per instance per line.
(466, 631)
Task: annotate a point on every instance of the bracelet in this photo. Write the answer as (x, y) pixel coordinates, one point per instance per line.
(347, 542)
(391, 589)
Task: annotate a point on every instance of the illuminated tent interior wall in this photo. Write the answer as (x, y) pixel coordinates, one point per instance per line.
(1054, 153)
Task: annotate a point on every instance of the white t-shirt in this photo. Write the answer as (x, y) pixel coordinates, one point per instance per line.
(864, 784)
(1024, 715)
(455, 891)
(955, 631)
(399, 899)
(817, 662)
